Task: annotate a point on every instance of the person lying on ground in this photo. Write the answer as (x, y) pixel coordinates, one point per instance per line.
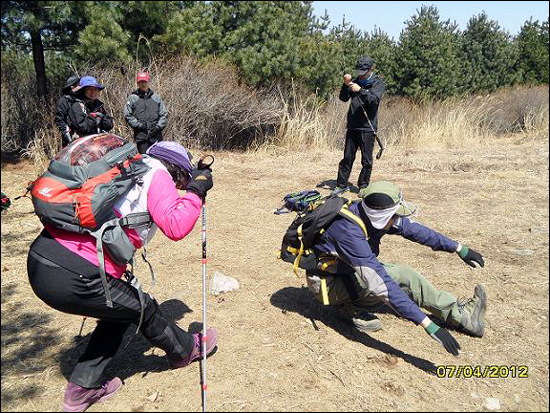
(355, 280)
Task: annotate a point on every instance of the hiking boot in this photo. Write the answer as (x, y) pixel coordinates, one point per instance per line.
(78, 399)
(473, 312)
(363, 321)
(366, 322)
(339, 190)
(196, 353)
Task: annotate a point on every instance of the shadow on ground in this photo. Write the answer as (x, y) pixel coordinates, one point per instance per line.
(301, 301)
(331, 184)
(26, 337)
(17, 243)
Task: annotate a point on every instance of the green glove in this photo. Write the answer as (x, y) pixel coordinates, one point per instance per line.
(444, 338)
(470, 257)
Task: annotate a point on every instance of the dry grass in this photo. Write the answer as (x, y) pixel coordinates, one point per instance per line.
(209, 108)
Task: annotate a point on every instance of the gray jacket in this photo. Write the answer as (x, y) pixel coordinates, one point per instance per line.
(146, 115)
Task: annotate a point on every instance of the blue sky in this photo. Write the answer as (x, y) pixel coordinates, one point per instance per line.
(390, 16)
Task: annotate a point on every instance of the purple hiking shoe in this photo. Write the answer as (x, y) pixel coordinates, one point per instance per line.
(78, 399)
(196, 353)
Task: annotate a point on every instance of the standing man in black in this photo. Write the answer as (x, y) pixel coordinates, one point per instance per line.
(365, 92)
(146, 114)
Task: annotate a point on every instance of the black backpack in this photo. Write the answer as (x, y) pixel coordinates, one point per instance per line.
(309, 225)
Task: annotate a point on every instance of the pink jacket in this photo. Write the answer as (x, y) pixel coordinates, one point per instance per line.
(173, 214)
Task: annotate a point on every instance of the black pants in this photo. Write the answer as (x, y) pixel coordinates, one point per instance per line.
(144, 145)
(73, 286)
(365, 142)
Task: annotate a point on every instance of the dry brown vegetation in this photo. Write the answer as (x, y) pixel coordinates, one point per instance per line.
(209, 108)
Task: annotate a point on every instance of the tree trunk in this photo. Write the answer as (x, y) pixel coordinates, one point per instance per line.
(39, 63)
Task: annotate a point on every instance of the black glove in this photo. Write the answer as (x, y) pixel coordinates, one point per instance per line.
(201, 182)
(444, 338)
(470, 256)
(154, 130)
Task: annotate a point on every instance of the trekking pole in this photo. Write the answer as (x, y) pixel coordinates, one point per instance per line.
(205, 163)
(379, 154)
(82, 326)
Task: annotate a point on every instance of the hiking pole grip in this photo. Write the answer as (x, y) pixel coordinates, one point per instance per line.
(205, 162)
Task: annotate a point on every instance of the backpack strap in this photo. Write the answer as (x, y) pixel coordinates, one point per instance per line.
(130, 221)
(144, 254)
(135, 220)
(300, 251)
(101, 257)
(350, 216)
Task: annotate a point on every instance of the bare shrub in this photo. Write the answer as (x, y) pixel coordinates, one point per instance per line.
(19, 109)
(207, 107)
(514, 105)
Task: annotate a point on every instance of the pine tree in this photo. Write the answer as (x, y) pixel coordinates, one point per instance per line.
(103, 41)
(39, 26)
(428, 63)
(532, 43)
(488, 56)
(193, 31)
(383, 50)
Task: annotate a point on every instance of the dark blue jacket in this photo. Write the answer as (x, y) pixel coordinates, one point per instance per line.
(368, 98)
(347, 241)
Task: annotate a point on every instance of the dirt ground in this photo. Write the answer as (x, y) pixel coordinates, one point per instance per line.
(281, 351)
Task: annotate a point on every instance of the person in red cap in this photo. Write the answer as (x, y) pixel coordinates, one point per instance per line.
(145, 113)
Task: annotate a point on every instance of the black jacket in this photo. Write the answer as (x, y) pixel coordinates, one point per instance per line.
(83, 122)
(368, 98)
(62, 116)
(146, 114)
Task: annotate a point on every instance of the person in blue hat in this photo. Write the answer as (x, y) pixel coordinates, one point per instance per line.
(87, 115)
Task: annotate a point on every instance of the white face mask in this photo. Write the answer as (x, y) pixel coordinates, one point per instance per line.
(379, 218)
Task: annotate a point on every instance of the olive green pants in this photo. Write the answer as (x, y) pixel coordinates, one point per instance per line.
(441, 304)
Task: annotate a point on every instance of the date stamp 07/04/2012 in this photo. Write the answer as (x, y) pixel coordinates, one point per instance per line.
(482, 372)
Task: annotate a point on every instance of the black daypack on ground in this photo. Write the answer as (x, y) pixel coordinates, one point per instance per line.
(298, 201)
(304, 231)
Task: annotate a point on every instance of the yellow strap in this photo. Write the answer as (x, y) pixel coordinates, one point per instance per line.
(327, 264)
(296, 251)
(355, 218)
(324, 291)
(300, 252)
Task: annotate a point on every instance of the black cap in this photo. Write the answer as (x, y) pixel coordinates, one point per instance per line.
(71, 81)
(363, 65)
